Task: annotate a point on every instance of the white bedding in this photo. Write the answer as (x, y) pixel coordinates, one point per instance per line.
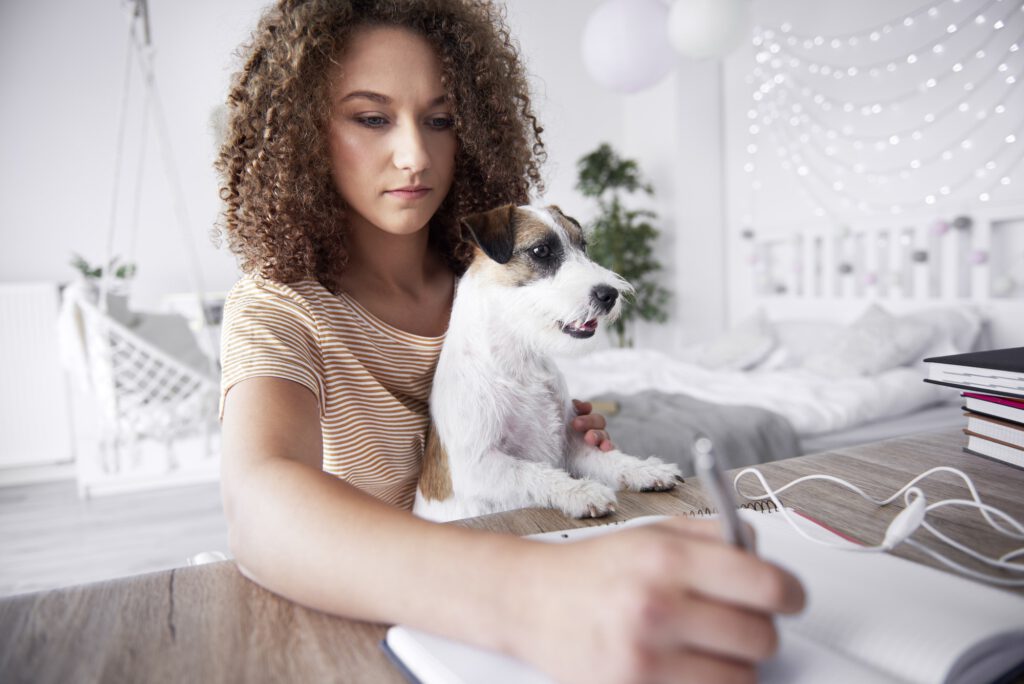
(812, 403)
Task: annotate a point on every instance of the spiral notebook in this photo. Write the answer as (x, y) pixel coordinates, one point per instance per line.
(869, 618)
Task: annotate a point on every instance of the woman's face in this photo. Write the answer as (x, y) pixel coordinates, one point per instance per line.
(391, 136)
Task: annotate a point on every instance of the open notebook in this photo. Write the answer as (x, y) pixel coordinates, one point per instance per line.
(869, 618)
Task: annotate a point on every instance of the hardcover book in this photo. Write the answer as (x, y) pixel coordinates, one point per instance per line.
(980, 445)
(997, 430)
(998, 371)
(1000, 407)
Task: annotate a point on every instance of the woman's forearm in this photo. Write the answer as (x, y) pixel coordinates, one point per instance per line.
(321, 542)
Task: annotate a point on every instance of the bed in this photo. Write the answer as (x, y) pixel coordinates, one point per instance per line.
(827, 351)
(829, 386)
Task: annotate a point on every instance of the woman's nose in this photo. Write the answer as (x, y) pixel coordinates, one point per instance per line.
(410, 151)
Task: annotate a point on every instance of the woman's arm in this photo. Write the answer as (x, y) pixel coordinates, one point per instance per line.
(633, 606)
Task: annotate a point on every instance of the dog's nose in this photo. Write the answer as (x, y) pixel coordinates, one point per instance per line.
(605, 296)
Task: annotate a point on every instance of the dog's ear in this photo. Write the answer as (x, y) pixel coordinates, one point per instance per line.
(493, 231)
(570, 219)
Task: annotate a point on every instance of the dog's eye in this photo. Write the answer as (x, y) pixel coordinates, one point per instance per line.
(541, 251)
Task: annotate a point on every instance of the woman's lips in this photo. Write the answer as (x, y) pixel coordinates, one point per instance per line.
(409, 193)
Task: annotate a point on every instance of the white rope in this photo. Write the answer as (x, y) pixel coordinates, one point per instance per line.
(118, 158)
(174, 182)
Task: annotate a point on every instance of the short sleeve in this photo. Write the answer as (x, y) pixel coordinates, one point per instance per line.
(269, 330)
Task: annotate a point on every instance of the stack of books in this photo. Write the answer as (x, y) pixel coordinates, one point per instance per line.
(993, 399)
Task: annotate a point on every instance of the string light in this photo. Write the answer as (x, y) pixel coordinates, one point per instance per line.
(822, 138)
(772, 70)
(930, 119)
(946, 191)
(873, 34)
(818, 66)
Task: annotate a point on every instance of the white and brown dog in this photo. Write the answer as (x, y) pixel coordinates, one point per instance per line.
(501, 436)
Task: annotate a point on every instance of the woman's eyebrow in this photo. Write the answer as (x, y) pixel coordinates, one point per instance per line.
(367, 95)
(384, 99)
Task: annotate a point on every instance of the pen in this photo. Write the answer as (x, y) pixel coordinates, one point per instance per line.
(713, 481)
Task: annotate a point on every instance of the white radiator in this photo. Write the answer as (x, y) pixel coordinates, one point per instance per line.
(35, 420)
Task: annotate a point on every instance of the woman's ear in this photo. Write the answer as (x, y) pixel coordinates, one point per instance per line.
(493, 231)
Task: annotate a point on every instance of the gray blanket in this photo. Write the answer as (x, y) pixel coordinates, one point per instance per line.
(660, 424)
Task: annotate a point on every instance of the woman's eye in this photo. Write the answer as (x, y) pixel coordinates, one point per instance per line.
(441, 122)
(541, 251)
(372, 121)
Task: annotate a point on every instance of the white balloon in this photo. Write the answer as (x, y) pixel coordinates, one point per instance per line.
(707, 28)
(625, 46)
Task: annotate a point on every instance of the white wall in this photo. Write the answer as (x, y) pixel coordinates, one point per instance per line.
(576, 113)
(61, 71)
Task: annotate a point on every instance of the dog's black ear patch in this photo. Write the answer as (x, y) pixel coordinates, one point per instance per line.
(493, 231)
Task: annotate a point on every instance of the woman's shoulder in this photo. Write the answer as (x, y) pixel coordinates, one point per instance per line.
(305, 298)
(305, 292)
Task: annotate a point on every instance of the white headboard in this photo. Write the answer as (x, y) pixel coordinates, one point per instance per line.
(819, 271)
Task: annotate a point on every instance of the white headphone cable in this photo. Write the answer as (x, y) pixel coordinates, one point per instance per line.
(910, 519)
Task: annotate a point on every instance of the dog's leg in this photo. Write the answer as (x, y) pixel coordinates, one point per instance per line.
(507, 482)
(619, 470)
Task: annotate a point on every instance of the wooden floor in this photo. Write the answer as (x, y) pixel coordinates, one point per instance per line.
(51, 538)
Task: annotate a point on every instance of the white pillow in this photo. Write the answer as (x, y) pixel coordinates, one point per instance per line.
(875, 342)
(959, 325)
(741, 347)
(795, 341)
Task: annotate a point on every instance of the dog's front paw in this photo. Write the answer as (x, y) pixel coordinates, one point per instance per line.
(650, 475)
(585, 499)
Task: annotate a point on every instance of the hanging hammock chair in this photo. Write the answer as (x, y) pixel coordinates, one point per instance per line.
(142, 390)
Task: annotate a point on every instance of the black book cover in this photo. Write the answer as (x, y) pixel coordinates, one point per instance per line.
(978, 388)
(1009, 360)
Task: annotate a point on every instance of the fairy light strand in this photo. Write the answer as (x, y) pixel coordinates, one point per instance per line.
(816, 133)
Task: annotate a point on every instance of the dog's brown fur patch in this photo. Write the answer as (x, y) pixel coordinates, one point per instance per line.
(520, 269)
(435, 477)
(572, 228)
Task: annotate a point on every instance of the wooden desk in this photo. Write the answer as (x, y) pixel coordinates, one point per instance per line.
(208, 623)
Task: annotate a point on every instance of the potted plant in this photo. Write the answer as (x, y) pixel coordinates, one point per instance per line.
(623, 239)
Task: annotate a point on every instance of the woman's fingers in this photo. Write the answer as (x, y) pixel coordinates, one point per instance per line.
(716, 629)
(589, 421)
(691, 551)
(685, 667)
(592, 425)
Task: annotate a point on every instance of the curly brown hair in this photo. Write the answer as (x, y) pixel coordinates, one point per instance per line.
(283, 217)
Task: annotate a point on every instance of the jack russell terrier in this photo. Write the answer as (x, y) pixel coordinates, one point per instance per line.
(501, 436)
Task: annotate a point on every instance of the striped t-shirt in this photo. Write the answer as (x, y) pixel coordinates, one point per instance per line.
(372, 381)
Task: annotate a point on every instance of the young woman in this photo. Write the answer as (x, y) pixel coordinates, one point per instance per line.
(359, 130)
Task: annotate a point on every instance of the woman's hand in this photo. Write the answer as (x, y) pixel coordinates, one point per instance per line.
(668, 602)
(592, 425)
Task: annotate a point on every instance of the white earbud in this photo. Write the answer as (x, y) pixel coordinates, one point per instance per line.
(907, 522)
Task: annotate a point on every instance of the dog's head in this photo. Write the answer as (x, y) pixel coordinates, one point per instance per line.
(534, 259)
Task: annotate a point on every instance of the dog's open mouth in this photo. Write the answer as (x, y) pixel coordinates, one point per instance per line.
(581, 329)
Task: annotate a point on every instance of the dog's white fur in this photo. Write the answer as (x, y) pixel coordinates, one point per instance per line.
(501, 407)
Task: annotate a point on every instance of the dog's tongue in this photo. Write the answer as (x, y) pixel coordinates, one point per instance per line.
(589, 326)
